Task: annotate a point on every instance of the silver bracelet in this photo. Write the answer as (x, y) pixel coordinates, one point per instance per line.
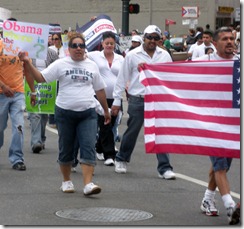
(33, 93)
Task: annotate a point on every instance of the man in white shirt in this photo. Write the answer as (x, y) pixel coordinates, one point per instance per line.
(207, 43)
(149, 53)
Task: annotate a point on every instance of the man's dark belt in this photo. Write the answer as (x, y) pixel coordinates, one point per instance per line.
(137, 96)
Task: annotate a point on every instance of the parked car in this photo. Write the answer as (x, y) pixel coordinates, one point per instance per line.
(177, 43)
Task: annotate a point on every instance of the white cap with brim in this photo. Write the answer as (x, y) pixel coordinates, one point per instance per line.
(136, 38)
(152, 29)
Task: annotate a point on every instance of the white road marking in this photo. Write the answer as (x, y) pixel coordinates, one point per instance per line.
(55, 131)
(205, 184)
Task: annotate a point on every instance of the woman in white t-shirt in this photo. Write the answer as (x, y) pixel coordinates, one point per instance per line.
(75, 112)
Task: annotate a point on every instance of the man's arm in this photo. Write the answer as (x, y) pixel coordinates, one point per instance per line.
(31, 84)
(29, 80)
(30, 69)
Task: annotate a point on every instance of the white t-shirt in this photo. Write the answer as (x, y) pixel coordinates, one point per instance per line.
(108, 73)
(78, 81)
(192, 48)
(200, 50)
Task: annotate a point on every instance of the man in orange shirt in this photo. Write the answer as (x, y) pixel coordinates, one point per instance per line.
(12, 102)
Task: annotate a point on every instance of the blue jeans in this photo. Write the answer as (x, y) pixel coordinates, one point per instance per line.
(80, 124)
(14, 106)
(38, 128)
(52, 120)
(134, 124)
(116, 125)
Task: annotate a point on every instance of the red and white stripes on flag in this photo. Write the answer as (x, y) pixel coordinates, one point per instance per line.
(189, 108)
(169, 22)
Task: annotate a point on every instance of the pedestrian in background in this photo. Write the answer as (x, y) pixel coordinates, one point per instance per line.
(58, 48)
(193, 46)
(166, 42)
(109, 64)
(57, 45)
(136, 41)
(134, 32)
(75, 112)
(207, 38)
(149, 53)
(38, 121)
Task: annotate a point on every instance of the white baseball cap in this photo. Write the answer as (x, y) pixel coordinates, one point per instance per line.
(136, 38)
(152, 29)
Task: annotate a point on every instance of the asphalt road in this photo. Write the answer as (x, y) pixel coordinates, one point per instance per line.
(33, 198)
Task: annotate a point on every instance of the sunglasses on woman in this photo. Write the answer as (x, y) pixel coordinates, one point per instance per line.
(76, 45)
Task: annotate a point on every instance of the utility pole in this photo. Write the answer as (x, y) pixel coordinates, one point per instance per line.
(150, 12)
(125, 17)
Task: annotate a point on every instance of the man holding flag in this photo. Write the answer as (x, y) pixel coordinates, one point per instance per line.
(194, 108)
(224, 42)
(148, 52)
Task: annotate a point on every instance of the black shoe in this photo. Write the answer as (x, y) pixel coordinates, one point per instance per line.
(235, 217)
(19, 166)
(37, 148)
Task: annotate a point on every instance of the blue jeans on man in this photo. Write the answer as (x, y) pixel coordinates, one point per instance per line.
(38, 129)
(14, 107)
(134, 124)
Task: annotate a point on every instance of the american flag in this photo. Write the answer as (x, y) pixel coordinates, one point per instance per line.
(192, 108)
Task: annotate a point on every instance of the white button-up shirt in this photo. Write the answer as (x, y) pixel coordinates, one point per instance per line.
(109, 73)
(129, 71)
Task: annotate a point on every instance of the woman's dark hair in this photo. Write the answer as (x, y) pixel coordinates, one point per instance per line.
(58, 34)
(109, 34)
(76, 35)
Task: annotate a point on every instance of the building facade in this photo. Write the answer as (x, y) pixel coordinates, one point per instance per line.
(216, 13)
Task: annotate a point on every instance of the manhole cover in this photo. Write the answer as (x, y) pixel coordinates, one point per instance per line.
(104, 214)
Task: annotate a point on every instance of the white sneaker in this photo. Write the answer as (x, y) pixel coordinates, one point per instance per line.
(73, 169)
(91, 189)
(100, 156)
(209, 208)
(67, 187)
(109, 162)
(120, 167)
(168, 175)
